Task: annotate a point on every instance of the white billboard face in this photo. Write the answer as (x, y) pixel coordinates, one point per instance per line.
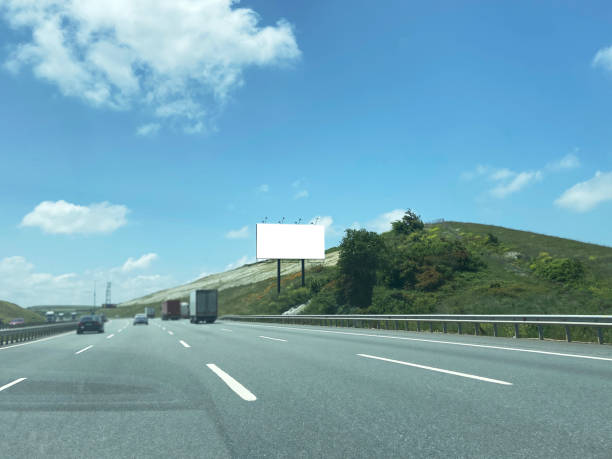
(290, 241)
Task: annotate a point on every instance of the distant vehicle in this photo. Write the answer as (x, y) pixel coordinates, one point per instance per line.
(50, 316)
(150, 312)
(90, 323)
(73, 315)
(60, 316)
(103, 317)
(203, 306)
(140, 319)
(184, 310)
(171, 309)
(17, 322)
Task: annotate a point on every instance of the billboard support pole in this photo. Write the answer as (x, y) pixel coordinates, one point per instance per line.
(303, 279)
(278, 276)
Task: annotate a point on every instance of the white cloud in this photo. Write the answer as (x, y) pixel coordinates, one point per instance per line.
(241, 233)
(501, 174)
(508, 181)
(479, 171)
(327, 221)
(382, 223)
(297, 183)
(518, 182)
(586, 195)
(569, 161)
(301, 194)
(263, 188)
(62, 217)
(603, 58)
(241, 261)
(179, 59)
(23, 284)
(148, 129)
(141, 263)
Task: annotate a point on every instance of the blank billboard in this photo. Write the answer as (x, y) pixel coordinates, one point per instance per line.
(290, 241)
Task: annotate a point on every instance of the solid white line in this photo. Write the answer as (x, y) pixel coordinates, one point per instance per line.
(17, 381)
(226, 329)
(184, 343)
(36, 341)
(170, 332)
(110, 336)
(84, 349)
(440, 370)
(275, 339)
(234, 385)
(423, 340)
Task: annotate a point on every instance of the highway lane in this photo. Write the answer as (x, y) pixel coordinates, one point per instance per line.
(142, 393)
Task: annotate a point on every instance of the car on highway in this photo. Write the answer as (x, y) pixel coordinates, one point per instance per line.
(103, 317)
(141, 319)
(17, 322)
(90, 323)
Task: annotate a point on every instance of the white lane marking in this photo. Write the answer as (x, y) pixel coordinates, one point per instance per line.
(110, 336)
(120, 330)
(184, 343)
(84, 349)
(485, 346)
(275, 339)
(234, 385)
(226, 329)
(17, 381)
(3, 348)
(164, 328)
(440, 370)
(170, 332)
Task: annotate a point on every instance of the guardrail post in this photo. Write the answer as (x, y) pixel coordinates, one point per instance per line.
(568, 336)
(599, 336)
(418, 326)
(430, 327)
(395, 324)
(516, 331)
(477, 328)
(459, 327)
(540, 333)
(443, 327)
(495, 330)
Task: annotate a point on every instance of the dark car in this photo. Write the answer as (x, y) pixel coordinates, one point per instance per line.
(140, 319)
(16, 322)
(90, 323)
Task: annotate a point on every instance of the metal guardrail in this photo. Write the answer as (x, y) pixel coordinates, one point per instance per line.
(358, 321)
(20, 334)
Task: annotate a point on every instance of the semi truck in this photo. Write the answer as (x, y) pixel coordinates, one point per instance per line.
(50, 316)
(171, 309)
(184, 310)
(150, 312)
(203, 306)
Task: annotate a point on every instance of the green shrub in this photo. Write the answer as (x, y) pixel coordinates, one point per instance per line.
(563, 270)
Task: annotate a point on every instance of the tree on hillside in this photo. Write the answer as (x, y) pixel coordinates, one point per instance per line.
(361, 252)
(409, 223)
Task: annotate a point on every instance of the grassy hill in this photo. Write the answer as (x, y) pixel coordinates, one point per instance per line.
(10, 311)
(505, 281)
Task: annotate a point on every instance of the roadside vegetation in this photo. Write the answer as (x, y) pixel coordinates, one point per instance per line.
(440, 268)
(445, 268)
(10, 311)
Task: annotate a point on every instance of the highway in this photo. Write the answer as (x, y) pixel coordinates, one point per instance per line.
(231, 389)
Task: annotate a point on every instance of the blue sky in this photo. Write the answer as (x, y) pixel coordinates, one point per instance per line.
(141, 145)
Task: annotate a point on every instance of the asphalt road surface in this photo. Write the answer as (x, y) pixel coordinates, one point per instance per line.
(229, 389)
